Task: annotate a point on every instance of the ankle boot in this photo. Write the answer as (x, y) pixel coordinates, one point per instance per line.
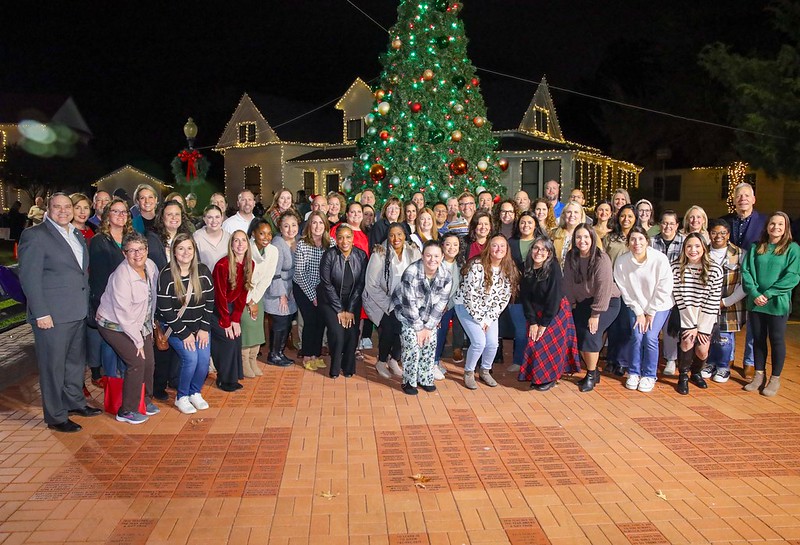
(683, 384)
(756, 383)
(588, 382)
(254, 362)
(247, 372)
(772, 387)
(697, 367)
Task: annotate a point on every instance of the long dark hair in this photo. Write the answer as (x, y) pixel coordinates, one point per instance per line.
(184, 227)
(387, 260)
(616, 231)
(574, 254)
(544, 272)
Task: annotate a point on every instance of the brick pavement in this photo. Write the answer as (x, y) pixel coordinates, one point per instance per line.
(296, 458)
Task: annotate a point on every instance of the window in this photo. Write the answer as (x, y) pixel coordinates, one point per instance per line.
(726, 182)
(552, 170)
(331, 182)
(309, 182)
(669, 191)
(247, 133)
(542, 119)
(355, 129)
(530, 178)
(252, 179)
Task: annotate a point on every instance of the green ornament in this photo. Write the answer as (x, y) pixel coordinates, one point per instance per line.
(459, 81)
(435, 136)
(442, 42)
(441, 5)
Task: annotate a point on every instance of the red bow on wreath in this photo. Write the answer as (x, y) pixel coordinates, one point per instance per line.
(190, 158)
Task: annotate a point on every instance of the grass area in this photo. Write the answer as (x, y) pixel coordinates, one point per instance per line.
(12, 321)
(5, 303)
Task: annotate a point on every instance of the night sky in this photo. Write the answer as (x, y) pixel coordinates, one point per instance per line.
(137, 70)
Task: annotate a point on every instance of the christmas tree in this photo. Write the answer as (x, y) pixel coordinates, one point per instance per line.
(428, 130)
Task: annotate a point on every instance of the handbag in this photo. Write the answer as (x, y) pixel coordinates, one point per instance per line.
(160, 336)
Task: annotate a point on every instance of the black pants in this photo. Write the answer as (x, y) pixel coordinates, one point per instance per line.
(773, 327)
(313, 323)
(227, 354)
(389, 338)
(366, 328)
(167, 370)
(342, 342)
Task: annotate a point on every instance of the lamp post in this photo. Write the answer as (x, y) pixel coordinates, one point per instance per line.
(190, 131)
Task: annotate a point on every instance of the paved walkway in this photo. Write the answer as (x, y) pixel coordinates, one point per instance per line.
(296, 458)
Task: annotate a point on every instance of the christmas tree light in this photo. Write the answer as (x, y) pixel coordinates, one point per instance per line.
(428, 130)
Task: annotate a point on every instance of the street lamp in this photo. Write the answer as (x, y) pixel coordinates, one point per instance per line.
(190, 131)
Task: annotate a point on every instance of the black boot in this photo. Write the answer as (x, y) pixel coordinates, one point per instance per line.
(587, 383)
(276, 356)
(697, 366)
(683, 384)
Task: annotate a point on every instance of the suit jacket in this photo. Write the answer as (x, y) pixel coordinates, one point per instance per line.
(758, 222)
(53, 282)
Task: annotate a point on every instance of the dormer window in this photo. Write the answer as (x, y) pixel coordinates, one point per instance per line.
(247, 133)
(542, 120)
(355, 129)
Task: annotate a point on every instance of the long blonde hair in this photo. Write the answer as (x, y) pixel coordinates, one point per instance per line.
(194, 275)
(247, 262)
(434, 230)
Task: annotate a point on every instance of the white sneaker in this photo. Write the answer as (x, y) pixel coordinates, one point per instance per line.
(633, 382)
(646, 384)
(184, 405)
(669, 368)
(366, 344)
(442, 368)
(722, 375)
(383, 369)
(437, 373)
(395, 367)
(198, 402)
(708, 370)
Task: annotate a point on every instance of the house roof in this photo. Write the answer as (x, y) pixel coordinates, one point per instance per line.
(520, 141)
(327, 154)
(136, 171)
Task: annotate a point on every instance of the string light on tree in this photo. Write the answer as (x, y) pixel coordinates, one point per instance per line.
(428, 127)
(737, 171)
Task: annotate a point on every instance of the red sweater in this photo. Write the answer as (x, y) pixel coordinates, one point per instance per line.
(224, 295)
(360, 239)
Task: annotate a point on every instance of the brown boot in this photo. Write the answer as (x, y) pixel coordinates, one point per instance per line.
(246, 370)
(771, 389)
(756, 383)
(254, 366)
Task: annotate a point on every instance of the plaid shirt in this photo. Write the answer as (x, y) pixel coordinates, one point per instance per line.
(418, 302)
(733, 317)
(675, 247)
(306, 267)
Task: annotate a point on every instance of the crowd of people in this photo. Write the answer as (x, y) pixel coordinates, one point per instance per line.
(157, 297)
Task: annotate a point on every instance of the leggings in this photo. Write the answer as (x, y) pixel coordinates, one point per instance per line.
(773, 327)
(389, 338)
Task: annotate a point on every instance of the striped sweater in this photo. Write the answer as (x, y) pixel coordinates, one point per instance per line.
(697, 302)
(197, 315)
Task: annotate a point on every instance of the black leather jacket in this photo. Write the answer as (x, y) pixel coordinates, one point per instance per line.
(331, 273)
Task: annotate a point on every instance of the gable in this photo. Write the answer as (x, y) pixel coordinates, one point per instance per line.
(246, 121)
(540, 119)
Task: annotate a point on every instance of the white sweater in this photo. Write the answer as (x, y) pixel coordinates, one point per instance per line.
(646, 287)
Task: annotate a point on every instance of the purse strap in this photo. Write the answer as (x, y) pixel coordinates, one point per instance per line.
(189, 293)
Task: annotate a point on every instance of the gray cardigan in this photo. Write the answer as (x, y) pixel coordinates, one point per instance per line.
(282, 281)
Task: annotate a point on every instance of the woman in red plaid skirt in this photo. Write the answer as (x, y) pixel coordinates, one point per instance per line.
(552, 346)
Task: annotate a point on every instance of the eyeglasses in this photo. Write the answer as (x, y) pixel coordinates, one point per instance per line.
(719, 233)
(506, 211)
(118, 212)
(539, 249)
(465, 204)
(136, 251)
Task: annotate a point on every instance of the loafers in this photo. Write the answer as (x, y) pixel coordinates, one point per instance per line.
(86, 411)
(65, 427)
(543, 387)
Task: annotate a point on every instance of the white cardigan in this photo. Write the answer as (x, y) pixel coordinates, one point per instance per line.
(377, 297)
(646, 287)
(263, 271)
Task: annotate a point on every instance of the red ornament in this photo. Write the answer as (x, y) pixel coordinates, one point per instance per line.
(475, 82)
(379, 94)
(384, 135)
(497, 199)
(478, 121)
(416, 107)
(503, 164)
(458, 166)
(377, 172)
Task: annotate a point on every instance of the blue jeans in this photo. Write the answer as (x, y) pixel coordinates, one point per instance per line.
(720, 353)
(441, 332)
(483, 344)
(749, 359)
(517, 315)
(643, 347)
(194, 366)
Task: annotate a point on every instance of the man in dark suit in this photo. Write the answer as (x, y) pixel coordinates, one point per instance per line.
(54, 264)
(747, 224)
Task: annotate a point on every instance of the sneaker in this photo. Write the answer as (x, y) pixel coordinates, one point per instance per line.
(199, 403)
(646, 384)
(708, 370)
(721, 375)
(394, 367)
(366, 344)
(319, 364)
(184, 405)
(442, 368)
(131, 417)
(427, 388)
(151, 409)
(669, 368)
(437, 373)
(383, 369)
(409, 390)
(633, 382)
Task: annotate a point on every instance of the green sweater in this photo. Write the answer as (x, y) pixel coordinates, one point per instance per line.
(773, 276)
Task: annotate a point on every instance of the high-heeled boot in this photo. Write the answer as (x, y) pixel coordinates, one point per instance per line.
(587, 383)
